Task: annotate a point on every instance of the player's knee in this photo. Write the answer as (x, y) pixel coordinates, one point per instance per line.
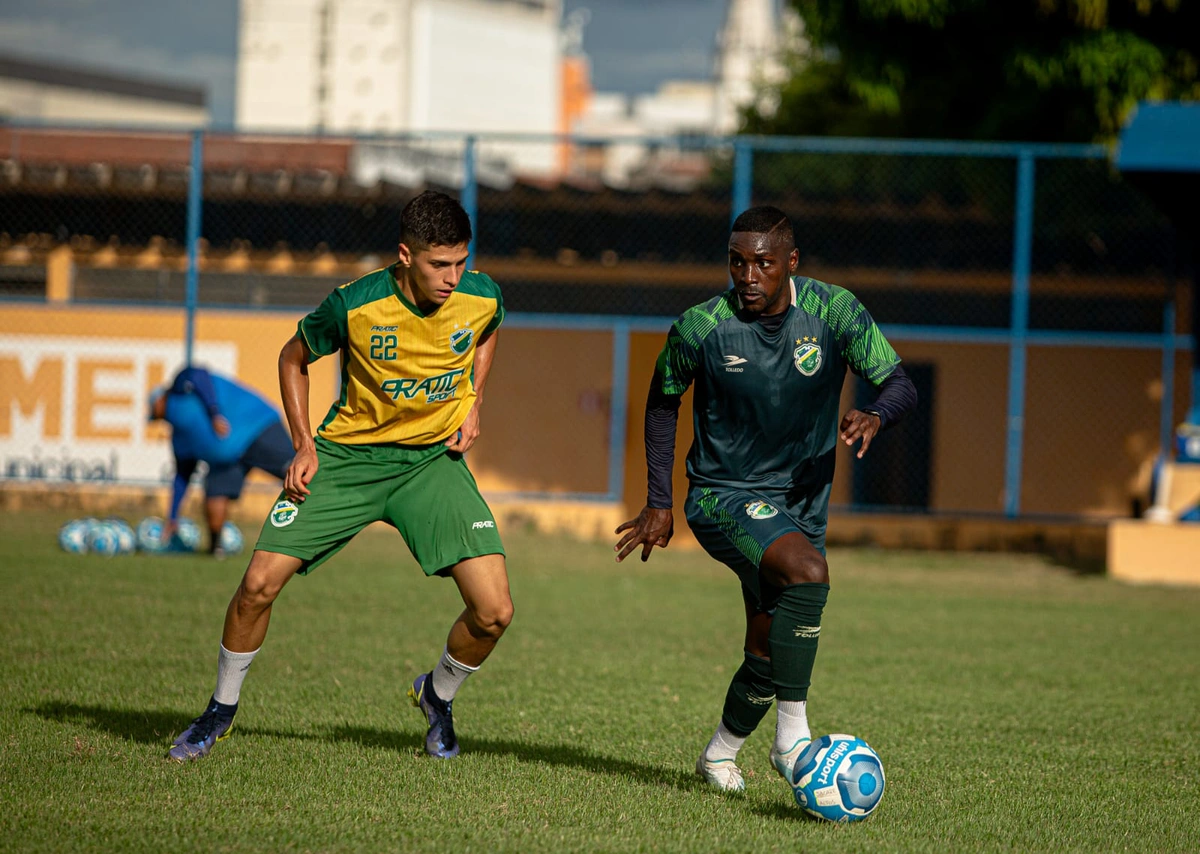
(493, 619)
(257, 591)
(802, 568)
(812, 569)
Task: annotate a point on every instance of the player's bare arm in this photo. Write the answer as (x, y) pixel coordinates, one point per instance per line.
(654, 526)
(294, 386)
(859, 425)
(485, 352)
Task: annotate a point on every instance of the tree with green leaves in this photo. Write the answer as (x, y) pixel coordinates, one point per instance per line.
(1045, 70)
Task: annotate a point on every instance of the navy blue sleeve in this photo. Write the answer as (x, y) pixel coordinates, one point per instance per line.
(197, 381)
(662, 418)
(897, 397)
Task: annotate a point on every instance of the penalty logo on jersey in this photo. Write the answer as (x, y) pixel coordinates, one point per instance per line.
(460, 340)
(760, 510)
(283, 513)
(807, 358)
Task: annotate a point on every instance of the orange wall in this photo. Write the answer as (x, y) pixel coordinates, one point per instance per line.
(1091, 427)
(545, 417)
(1091, 423)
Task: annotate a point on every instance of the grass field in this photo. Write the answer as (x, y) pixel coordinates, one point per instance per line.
(1016, 707)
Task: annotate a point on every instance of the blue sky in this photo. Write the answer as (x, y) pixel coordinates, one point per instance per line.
(634, 44)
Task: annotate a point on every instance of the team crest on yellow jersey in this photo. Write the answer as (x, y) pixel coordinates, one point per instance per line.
(460, 340)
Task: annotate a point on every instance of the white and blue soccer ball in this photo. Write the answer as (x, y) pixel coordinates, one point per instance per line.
(231, 541)
(103, 538)
(72, 537)
(150, 534)
(126, 538)
(187, 534)
(838, 778)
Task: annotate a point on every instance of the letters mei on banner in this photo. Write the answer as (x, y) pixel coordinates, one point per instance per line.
(74, 408)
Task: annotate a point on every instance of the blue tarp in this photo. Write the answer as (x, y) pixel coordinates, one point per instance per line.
(1162, 137)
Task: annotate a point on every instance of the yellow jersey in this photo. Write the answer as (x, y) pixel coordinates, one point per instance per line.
(407, 375)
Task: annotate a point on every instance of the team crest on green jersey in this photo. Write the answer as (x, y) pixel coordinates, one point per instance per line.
(807, 358)
(283, 513)
(760, 510)
(460, 340)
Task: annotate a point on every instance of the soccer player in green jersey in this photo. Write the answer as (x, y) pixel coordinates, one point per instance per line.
(417, 341)
(766, 359)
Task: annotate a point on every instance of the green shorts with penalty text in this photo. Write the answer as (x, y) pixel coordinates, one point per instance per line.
(426, 493)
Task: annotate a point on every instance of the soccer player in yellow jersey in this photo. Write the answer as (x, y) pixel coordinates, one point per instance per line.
(416, 341)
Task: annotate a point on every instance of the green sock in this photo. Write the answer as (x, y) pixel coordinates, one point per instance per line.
(795, 631)
(749, 696)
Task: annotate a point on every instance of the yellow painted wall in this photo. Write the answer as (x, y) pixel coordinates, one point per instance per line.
(1091, 414)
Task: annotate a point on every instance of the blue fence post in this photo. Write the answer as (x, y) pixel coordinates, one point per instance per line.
(470, 193)
(1018, 327)
(617, 410)
(1166, 419)
(195, 192)
(743, 177)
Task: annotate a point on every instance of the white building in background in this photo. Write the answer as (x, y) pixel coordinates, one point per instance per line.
(395, 66)
(750, 58)
(60, 93)
(748, 64)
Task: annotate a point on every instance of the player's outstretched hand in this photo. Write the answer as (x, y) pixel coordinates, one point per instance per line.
(300, 474)
(652, 527)
(467, 434)
(859, 425)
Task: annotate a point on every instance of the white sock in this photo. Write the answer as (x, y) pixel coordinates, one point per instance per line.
(449, 675)
(724, 745)
(791, 725)
(231, 672)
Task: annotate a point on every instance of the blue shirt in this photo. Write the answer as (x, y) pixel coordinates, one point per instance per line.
(195, 397)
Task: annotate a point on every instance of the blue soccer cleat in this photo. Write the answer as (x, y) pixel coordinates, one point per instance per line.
(440, 741)
(197, 740)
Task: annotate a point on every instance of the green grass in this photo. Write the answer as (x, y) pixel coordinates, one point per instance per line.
(1016, 706)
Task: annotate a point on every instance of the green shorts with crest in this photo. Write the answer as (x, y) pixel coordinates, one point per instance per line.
(426, 493)
(736, 526)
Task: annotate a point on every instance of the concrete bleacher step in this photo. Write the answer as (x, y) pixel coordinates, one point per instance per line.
(1145, 552)
(1159, 549)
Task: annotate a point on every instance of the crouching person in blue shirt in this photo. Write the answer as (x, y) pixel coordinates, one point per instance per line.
(225, 425)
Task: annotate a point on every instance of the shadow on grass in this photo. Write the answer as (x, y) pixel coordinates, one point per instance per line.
(157, 727)
(142, 726)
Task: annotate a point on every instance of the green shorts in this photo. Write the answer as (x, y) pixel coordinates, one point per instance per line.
(736, 526)
(427, 494)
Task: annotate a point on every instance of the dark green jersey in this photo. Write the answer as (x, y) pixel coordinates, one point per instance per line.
(766, 403)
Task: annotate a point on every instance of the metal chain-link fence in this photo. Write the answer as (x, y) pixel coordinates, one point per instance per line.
(1006, 341)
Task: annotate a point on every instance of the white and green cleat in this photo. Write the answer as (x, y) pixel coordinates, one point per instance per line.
(723, 774)
(785, 762)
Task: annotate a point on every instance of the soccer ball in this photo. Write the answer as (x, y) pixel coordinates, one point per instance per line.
(187, 534)
(150, 534)
(126, 538)
(72, 537)
(103, 539)
(838, 778)
(231, 539)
